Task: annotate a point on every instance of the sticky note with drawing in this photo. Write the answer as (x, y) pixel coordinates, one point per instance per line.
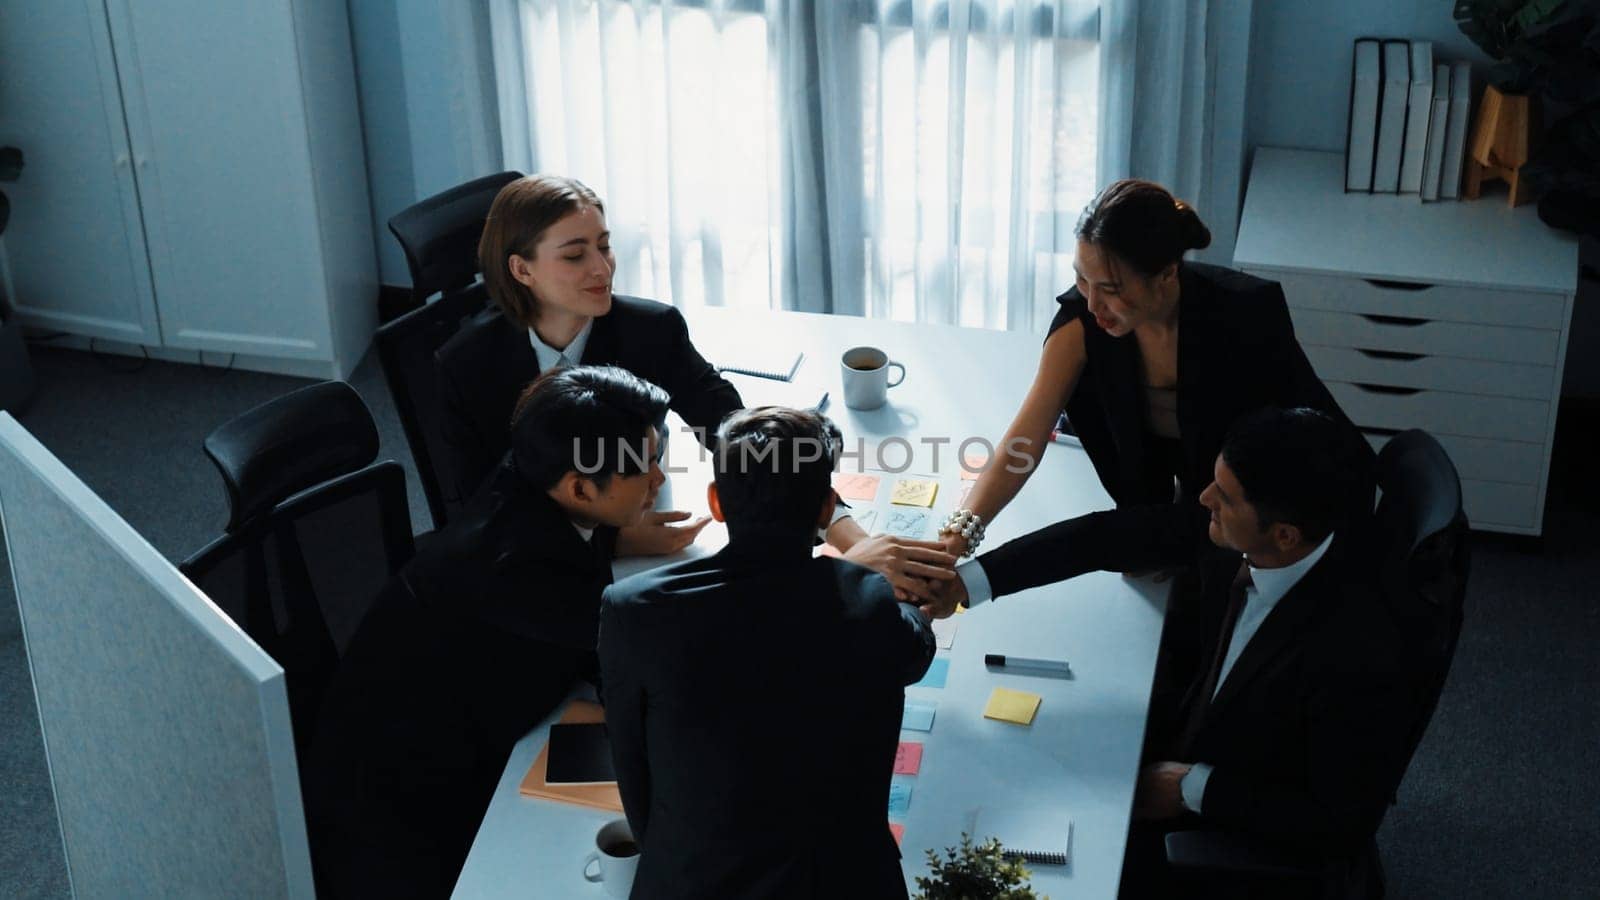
(914, 492)
(856, 486)
(906, 523)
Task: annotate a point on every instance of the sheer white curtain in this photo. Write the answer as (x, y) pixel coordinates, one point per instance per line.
(916, 159)
(1172, 103)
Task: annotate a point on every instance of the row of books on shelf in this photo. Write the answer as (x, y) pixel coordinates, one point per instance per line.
(1408, 120)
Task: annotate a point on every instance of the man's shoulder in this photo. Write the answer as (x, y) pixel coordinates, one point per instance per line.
(1356, 626)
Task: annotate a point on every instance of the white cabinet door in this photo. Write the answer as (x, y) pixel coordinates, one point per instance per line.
(74, 251)
(216, 118)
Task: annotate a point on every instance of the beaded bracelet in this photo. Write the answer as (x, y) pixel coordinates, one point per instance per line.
(966, 523)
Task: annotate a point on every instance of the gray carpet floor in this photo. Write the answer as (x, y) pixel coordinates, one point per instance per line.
(1501, 801)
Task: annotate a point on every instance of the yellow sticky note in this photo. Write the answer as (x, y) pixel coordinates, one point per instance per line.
(914, 492)
(1006, 705)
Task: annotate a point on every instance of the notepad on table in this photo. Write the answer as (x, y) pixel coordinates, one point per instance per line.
(1036, 834)
(1017, 707)
(778, 367)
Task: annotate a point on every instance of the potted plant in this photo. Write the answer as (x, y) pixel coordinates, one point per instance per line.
(16, 378)
(1549, 50)
(975, 872)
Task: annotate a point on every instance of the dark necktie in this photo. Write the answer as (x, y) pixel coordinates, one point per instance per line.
(1208, 687)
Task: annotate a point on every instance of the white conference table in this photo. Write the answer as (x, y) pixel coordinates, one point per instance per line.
(1080, 754)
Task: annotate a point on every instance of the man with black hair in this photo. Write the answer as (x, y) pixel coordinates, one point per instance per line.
(1296, 714)
(477, 639)
(755, 667)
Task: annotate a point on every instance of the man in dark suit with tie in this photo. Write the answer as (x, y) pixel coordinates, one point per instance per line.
(477, 639)
(754, 697)
(1293, 725)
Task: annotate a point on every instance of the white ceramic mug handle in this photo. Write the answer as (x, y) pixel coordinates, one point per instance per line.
(895, 365)
(598, 876)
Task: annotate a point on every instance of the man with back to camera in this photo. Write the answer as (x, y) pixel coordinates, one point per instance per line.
(754, 697)
(1294, 722)
(477, 639)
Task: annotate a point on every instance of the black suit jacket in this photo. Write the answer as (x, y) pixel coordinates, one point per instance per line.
(470, 646)
(484, 368)
(1236, 354)
(754, 705)
(1307, 731)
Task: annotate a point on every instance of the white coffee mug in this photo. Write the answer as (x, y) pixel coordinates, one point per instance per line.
(865, 373)
(615, 859)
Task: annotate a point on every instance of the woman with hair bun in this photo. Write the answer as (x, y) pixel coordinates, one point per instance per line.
(1153, 358)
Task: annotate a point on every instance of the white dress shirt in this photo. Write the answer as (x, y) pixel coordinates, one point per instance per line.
(550, 358)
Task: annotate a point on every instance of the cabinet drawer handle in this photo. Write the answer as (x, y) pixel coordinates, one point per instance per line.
(1405, 321)
(1379, 432)
(1388, 285)
(1390, 354)
(1388, 389)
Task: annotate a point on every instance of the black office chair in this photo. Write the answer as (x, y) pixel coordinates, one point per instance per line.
(440, 239)
(1422, 554)
(440, 236)
(315, 529)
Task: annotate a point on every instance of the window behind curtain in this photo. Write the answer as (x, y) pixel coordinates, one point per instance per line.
(957, 176)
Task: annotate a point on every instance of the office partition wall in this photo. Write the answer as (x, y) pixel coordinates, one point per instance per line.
(166, 728)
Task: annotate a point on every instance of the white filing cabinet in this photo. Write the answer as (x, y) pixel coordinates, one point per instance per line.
(1451, 317)
(195, 178)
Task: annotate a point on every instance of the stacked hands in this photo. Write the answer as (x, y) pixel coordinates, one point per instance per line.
(921, 572)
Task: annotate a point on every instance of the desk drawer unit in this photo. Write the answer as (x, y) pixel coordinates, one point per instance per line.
(1449, 317)
(1477, 368)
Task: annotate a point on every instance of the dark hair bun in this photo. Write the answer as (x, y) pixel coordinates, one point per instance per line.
(1143, 225)
(1191, 231)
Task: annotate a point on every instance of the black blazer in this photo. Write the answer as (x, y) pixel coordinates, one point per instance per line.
(471, 645)
(483, 369)
(1308, 730)
(754, 702)
(1236, 353)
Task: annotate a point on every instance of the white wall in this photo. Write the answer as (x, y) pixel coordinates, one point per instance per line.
(426, 79)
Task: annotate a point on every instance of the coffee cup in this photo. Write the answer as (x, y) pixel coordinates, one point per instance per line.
(615, 859)
(865, 373)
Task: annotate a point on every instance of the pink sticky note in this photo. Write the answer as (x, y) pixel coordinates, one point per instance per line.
(972, 465)
(899, 832)
(907, 758)
(856, 486)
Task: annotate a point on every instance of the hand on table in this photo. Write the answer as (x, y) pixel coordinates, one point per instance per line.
(1159, 794)
(914, 568)
(655, 536)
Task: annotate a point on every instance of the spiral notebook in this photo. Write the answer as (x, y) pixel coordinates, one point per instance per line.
(779, 368)
(1037, 835)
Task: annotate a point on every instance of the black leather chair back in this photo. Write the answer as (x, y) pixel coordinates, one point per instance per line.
(1423, 561)
(315, 528)
(406, 349)
(440, 235)
(440, 238)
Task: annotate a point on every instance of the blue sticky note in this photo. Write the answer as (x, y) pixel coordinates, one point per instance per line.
(899, 798)
(938, 671)
(918, 716)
